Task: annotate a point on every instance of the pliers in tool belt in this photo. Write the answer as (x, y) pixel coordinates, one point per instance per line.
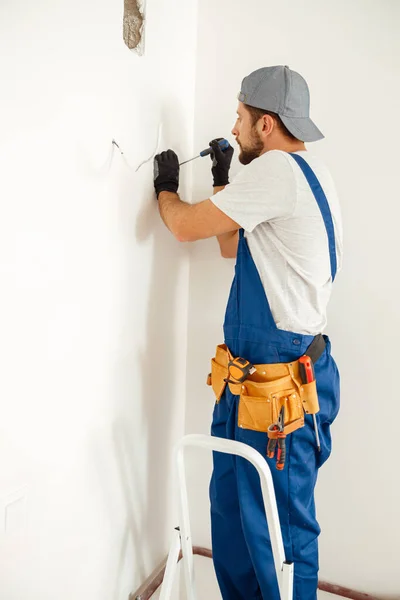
(278, 439)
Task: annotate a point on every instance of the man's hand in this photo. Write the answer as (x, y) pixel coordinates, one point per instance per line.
(221, 163)
(166, 172)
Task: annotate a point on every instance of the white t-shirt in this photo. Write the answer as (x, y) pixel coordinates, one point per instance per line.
(273, 202)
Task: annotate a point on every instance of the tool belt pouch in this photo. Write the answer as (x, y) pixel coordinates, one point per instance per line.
(261, 403)
(263, 394)
(219, 372)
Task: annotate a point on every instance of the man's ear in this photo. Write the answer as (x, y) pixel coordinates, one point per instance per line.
(268, 124)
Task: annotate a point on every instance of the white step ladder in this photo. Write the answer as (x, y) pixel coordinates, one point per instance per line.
(182, 540)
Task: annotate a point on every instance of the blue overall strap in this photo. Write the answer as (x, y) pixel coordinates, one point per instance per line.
(322, 202)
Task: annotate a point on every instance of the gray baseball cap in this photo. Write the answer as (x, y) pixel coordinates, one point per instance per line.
(285, 92)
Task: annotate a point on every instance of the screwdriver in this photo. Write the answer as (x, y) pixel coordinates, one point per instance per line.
(307, 375)
(224, 145)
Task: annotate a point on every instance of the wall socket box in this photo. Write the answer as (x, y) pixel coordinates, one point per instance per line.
(13, 513)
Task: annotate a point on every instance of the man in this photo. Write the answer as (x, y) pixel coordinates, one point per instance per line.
(281, 218)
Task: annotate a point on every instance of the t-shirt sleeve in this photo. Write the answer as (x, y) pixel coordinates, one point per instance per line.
(264, 190)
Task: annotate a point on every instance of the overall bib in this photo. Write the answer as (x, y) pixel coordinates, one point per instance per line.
(242, 552)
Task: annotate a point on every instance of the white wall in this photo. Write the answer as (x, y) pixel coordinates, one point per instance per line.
(349, 54)
(93, 295)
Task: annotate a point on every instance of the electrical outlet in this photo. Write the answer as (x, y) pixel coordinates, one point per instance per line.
(13, 512)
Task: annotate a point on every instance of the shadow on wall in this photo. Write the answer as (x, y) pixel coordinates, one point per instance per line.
(158, 360)
(125, 450)
(157, 367)
(150, 389)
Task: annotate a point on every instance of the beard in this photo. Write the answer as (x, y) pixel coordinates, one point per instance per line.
(252, 150)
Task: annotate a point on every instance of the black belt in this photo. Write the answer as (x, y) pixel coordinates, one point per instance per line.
(317, 347)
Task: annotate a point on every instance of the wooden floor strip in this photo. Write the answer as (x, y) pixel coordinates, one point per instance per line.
(151, 585)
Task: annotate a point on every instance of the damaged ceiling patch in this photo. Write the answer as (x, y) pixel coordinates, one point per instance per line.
(134, 25)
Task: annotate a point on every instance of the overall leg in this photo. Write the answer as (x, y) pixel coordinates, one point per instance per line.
(233, 566)
(294, 490)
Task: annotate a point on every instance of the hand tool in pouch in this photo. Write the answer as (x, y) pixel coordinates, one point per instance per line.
(307, 374)
(239, 369)
(279, 441)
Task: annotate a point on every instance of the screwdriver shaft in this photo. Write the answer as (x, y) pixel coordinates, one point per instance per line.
(316, 433)
(190, 160)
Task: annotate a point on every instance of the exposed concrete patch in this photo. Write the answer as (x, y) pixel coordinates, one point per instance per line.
(133, 25)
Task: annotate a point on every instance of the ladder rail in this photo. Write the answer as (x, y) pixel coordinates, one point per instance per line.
(184, 522)
(171, 567)
(283, 569)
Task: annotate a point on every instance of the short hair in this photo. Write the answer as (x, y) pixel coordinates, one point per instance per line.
(257, 113)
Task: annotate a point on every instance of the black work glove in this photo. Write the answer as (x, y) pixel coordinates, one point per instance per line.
(166, 172)
(221, 162)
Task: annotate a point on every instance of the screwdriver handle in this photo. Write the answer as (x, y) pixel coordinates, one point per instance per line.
(223, 144)
(306, 369)
(271, 448)
(281, 457)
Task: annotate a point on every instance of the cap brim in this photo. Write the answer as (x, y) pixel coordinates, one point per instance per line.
(302, 128)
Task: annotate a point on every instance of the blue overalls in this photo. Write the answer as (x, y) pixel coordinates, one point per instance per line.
(242, 551)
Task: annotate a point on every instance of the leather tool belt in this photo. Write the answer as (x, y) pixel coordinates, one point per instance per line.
(264, 389)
